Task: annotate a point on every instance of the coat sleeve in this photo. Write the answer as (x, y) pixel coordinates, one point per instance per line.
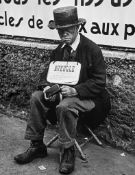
(43, 76)
(95, 84)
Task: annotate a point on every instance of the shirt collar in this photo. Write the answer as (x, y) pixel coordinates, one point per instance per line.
(75, 44)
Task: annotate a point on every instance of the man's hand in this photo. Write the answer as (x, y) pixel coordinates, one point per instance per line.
(44, 91)
(68, 91)
(51, 98)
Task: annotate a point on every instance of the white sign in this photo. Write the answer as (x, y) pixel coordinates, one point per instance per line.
(64, 72)
(109, 22)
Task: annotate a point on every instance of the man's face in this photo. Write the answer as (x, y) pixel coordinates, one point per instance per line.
(68, 34)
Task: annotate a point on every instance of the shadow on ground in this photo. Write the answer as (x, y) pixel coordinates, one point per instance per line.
(101, 161)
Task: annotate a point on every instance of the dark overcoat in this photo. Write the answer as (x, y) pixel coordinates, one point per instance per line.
(92, 81)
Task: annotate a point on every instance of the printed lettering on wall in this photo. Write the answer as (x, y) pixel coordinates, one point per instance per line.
(108, 22)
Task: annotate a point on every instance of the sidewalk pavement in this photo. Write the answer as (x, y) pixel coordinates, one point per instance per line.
(101, 161)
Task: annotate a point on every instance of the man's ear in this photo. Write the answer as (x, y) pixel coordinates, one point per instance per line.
(51, 24)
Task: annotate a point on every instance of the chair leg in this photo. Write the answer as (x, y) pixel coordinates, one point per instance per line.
(95, 137)
(83, 156)
(52, 140)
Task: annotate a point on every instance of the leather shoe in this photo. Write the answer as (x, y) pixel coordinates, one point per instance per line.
(67, 161)
(31, 153)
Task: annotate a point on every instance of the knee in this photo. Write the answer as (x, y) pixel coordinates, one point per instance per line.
(37, 96)
(61, 108)
(63, 105)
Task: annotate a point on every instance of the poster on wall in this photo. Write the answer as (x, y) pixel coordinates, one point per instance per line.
(109, 22)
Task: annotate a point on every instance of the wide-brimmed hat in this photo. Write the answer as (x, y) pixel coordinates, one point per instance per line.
(65, 17)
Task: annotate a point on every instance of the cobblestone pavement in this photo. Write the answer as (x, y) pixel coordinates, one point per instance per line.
(101, 161)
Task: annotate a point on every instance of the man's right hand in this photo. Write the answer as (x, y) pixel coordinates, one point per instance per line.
(52, 98)
(44, 90)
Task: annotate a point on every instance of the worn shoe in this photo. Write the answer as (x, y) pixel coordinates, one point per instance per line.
(31, 153)
(67, 161)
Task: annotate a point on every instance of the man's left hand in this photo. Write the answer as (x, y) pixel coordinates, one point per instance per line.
(68, 91)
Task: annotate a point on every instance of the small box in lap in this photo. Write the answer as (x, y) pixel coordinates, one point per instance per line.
(52, 90)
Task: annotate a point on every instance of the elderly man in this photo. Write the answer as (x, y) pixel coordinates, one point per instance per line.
(86, 100)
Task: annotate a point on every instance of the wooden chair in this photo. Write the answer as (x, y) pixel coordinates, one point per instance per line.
(79, 147)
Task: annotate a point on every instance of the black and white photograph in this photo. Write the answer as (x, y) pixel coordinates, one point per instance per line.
(67, 87)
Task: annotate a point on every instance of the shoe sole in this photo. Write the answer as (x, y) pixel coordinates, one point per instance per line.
(68, 172)
(37, 156)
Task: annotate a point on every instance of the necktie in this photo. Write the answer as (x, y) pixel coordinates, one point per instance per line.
(67, 52)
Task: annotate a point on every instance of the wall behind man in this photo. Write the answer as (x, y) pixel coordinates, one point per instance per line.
(21, 71)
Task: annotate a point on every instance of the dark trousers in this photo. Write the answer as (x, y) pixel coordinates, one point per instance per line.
(67, 114)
